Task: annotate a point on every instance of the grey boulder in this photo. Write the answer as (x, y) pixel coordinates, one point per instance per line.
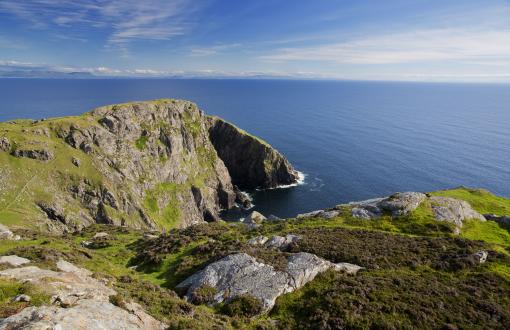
(13, 260)
(241, 274)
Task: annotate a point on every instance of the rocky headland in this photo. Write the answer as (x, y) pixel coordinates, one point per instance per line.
(156, 165)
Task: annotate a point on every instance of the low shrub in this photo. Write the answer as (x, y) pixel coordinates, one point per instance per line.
(243, 306)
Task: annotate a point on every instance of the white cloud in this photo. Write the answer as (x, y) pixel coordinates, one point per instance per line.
(127, 19)
(417, 46)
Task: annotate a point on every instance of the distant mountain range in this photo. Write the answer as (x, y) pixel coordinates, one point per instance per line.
(44, 74)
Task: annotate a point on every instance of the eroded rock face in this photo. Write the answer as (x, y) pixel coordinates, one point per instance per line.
(151, 165)
(241, 274)
(39, 154)
(250, 161)
(78, 302)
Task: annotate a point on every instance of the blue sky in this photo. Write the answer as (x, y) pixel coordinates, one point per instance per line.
(414, 40)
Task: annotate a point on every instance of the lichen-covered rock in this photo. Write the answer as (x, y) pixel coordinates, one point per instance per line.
(78, 302)
(327, 214)
(400, 204)
(282, 242)
(86, 314)
(251, 162)
(453, 210)
(241, 274)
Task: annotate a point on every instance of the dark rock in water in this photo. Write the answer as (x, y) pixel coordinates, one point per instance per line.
(242, 198)
(39, 154)
(251, 162)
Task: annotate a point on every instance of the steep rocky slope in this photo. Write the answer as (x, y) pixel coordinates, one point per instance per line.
(250, 161)
(144, 164)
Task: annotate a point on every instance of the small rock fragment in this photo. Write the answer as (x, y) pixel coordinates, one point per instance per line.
(259, 240)
(481, 256)
(22, 298)
(100, 235)
(76, 162)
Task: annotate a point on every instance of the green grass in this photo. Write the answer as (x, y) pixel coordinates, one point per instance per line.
(488, 231)
(10, 289)
(163, 205)
(141, 143)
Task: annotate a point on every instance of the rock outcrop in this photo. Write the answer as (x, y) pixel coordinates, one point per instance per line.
(156, 164)
(78, 302)
(251, 162)
(241, 274)
(453, 210)
(275, 242)
(446, 209)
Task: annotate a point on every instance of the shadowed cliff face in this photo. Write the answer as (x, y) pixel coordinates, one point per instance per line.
(251, 162)
(141, 164)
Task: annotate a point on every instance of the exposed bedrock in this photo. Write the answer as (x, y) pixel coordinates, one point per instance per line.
(154, 164)
(251, 162)
(241, 274)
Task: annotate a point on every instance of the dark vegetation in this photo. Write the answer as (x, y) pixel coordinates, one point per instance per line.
(398, 299)
(426, 278)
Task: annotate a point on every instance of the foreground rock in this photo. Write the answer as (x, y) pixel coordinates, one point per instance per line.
(148, 165)
(241, 274)
(78, 302)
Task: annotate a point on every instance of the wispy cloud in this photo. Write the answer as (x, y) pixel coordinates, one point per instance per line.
(212, 50)
(416, 46)
(126, 19)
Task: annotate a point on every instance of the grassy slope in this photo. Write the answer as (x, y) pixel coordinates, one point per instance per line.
(414, 269)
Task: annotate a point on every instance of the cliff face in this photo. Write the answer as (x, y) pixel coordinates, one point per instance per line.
(145, 165)
(251, 162)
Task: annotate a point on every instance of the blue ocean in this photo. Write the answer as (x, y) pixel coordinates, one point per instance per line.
(352, 140)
